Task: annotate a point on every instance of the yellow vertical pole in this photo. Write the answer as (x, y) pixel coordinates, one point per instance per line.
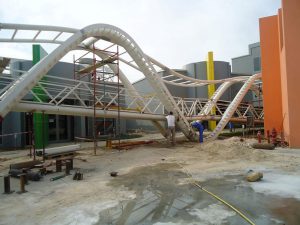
(211, 87)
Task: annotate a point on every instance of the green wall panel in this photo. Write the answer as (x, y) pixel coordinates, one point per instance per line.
(37, 54)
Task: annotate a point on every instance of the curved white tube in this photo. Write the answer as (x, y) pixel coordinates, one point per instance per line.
(107, 32)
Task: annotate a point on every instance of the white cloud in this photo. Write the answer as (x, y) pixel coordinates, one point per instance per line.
(175, 32)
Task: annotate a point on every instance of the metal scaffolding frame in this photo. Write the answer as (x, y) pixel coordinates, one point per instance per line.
(97, 74)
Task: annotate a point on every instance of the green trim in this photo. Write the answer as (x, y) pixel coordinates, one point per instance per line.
(36, 54)
(38, 117)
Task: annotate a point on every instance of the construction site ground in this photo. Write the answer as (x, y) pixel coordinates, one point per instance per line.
(154, 186)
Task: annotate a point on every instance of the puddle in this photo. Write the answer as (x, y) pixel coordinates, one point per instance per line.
(162, 199)
(279, 184)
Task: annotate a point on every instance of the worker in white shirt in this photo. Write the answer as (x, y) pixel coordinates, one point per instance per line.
(171, 127)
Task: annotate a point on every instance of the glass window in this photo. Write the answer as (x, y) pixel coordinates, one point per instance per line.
(256, 63)
(63, 127)
(52, 127)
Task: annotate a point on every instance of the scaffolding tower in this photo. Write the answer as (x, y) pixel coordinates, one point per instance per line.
(90, 67)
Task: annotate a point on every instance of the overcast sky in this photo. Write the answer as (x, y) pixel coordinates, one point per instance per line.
(175, 32)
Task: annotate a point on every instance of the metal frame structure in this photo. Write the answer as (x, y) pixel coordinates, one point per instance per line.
(12, 96)
(96, 73)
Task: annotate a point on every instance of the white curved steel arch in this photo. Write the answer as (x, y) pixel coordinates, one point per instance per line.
(232, 107)
(107, 32)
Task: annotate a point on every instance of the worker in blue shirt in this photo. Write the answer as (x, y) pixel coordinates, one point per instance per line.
(198, 125)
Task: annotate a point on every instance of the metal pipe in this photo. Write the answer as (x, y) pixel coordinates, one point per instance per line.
(78, 111)
(57, 178)
(94, 100)
(119, 117)
(62, 149)
(43, 133)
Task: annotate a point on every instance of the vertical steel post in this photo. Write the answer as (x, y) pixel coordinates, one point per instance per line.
(32, 135)
(7, 189)
(118, 77)
(94, 101)
(74, 68)
(29, 133)
(104, 93)
(43, 134)
(22, 183)
(211, 87)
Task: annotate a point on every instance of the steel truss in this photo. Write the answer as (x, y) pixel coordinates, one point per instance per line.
(17, 89)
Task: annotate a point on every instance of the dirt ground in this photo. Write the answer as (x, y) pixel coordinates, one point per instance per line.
(160, 166)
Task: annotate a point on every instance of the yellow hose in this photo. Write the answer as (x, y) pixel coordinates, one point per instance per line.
(226, 203)
(193, 181)
(215, 196)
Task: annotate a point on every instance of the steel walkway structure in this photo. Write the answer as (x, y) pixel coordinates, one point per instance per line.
(16, 91)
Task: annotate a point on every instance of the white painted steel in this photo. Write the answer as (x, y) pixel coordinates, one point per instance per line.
(56, 89)
(215, 98)
(14, 26)
(61, 149)
(115, 35)
(78, 111)
(233, 106)
(14, 92)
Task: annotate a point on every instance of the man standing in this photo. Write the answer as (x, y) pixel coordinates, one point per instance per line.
(171, 127)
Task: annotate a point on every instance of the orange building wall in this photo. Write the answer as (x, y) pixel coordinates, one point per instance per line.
(290, 67)
(284, 92)
(280, 51)
(270, 64)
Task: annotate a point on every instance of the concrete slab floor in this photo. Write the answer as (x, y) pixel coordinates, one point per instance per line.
(153, 188)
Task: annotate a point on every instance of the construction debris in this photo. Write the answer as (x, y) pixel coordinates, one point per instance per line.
(253, 176)
(33, 176)
(30, 175)
(68, 168)
(25, 165)
(78, 176)
(129, 145)
(57, 178)
(263, 146)
(113, 174)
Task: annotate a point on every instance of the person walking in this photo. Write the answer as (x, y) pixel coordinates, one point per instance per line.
(171, 127)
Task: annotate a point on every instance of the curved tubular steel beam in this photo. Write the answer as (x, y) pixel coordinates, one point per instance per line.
(106, 32)
(179, 75)
(144, 63)
(233, 106)
(194, 82)
(216, 96)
